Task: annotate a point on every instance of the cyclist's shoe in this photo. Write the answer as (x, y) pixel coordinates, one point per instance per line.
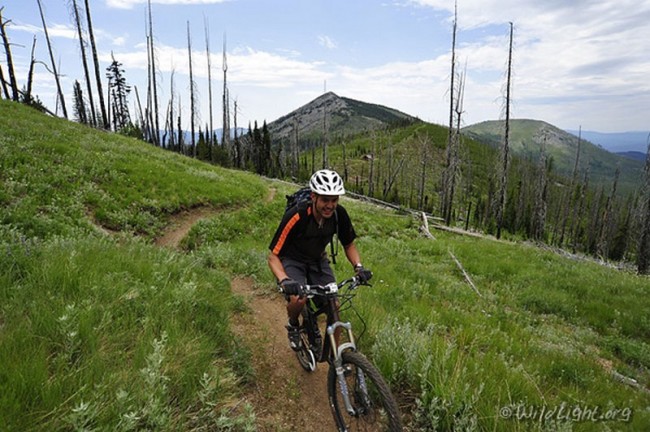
(317, 343)
(294, 337)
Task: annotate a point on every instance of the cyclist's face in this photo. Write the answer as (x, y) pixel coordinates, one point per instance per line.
(324, 205)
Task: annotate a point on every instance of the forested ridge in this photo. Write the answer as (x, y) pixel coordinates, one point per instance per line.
(509, 178)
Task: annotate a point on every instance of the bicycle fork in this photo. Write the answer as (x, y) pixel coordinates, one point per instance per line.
(338, 363)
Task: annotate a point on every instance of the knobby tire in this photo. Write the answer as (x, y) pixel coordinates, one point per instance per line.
(382, 414)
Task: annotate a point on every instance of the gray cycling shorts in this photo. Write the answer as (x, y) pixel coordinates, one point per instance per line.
(319, 273)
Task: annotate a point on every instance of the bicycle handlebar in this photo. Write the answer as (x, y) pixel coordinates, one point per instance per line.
(329, 289)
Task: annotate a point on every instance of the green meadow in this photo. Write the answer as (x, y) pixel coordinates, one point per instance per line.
(102, 330)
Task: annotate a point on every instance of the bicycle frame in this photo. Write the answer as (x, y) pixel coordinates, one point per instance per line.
(332, 351)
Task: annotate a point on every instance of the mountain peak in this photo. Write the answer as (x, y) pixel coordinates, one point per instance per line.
(343, 116)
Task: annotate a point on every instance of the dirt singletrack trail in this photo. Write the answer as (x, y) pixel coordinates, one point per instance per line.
(284, 396)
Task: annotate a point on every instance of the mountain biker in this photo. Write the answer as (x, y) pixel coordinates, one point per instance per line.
(297, 252)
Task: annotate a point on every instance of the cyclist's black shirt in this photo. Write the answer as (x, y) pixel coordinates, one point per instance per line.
(299, 236)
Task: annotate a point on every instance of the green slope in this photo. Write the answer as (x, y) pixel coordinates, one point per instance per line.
(123, 335)
(527, 136)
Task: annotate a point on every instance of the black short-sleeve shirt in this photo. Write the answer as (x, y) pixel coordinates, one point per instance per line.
(300, 237)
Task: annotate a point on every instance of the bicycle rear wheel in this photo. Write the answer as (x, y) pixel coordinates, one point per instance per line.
(373, 404)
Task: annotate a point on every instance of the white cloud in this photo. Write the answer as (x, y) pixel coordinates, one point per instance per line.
(129, 4)
(327, 42)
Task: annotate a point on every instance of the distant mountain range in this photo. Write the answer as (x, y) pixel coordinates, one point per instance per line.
(527, 136)
(629, 144)
(340, 116)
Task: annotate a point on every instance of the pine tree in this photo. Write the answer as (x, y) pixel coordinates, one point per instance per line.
(119, 92)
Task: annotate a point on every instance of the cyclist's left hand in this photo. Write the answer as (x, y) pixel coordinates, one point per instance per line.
(363, 275)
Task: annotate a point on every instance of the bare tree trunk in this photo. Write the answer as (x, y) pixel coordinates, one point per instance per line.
(179, 127)
(581, 209)
(424, 159)
(155, 124)
(30, 75)
(210, 140)
(4, 84)
(541, 192)
(371, 172)
(225, 136)
(345, 161)
(172, 138)
(237, 149)
(56, 74)
(98, 78)
(605, 227)
(325, 134)
(505, 148)
(192, 90)
(294, 149)
(141, 117)
(643, 249)
(82, 47)
(571, 201)
(447, 173)
(10, 61)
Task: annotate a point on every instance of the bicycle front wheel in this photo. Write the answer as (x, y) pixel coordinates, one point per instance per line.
(372, 406)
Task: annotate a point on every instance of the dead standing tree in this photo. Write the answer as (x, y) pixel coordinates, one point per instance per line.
(225, 135)
(82, 47)
(541, 195)
(93, 46)
(211, 141)
(605, 232)
(192, 92)
(448, 174)
(501, 197)
(643, 248)
(153, 87)
(570, 198)
(53, 63)
(10, 62)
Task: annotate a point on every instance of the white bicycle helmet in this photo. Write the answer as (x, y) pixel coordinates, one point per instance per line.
(326, 182)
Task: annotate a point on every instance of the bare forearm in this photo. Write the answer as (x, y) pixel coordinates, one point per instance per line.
(276, 267)
(352, 254)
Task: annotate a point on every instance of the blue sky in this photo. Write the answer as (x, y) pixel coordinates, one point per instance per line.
(578, 63)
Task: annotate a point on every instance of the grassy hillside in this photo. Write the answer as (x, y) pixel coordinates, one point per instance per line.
(99, 329)
(526, 137)
(102, 330)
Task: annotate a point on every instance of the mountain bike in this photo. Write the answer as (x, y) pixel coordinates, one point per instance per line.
(359, 397)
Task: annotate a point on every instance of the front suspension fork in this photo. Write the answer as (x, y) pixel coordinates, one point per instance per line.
(338, 362)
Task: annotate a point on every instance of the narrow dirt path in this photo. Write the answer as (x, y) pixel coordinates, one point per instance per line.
(181, 224)
(285, 397)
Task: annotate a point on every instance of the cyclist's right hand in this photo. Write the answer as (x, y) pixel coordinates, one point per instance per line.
(291, 287)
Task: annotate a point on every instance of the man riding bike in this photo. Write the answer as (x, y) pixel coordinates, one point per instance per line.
(298, 254)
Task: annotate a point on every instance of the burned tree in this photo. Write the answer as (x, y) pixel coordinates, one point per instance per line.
(82, 47)
(93, 47)
(192, 91)
(451, 160)
(53, 63)
(153, 87)
(503, 180)
(10, 62)
(210, 133)
(643, 248)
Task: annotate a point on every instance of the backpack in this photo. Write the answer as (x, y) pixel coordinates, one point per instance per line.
(303, 196)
